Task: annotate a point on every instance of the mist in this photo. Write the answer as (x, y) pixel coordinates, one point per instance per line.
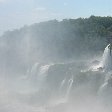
(56, 66)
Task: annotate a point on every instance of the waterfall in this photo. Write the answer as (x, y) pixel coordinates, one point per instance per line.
(62, 84)
(38, 74)
(39, 70)
(107, 59)
(70, 82)
(44, 69)
(65, 87)
(42, 73)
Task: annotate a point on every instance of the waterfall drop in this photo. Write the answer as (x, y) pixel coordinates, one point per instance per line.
(107, 59)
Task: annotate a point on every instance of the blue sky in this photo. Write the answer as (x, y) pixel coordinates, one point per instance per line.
(17, 13)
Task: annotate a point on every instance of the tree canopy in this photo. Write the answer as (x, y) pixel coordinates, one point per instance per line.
(63, 39)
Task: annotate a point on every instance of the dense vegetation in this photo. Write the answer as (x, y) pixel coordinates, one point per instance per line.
(54, 40)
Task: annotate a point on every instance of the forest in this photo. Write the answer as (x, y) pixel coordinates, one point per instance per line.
(56, 40)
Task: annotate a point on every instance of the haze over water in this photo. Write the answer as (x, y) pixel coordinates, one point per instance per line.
(54, 56)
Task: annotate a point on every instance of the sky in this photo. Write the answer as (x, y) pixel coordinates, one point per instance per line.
(15, 14)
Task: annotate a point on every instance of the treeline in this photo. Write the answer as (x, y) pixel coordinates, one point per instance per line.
(54, 39)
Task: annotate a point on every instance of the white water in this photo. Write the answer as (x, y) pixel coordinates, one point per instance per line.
(66, 86)
(107, 59)
(60, 86)
(70, 82)
(49, 87)
(105, 64)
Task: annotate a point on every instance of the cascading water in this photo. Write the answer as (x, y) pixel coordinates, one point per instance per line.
(59, 83)
(38, 74)
(70, 82)
(106, 63)
(66, 86)
(62, 84)
(107, 59)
